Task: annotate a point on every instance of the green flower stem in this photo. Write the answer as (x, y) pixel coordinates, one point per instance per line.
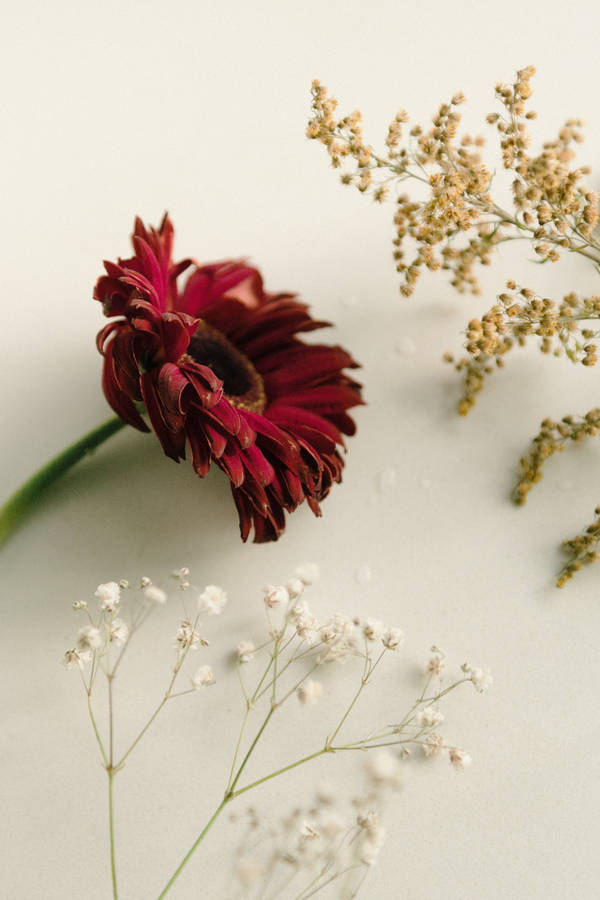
(298, 762)
(111, 822)
(16, 508)
(194, 846)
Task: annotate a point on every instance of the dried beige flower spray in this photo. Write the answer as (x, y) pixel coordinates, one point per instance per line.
(457, 224)
(283, 668)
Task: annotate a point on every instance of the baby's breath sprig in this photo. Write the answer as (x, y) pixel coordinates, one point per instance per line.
(297, 648)
(453, 221)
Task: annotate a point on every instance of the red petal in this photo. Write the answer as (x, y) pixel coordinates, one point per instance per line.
(171, 439)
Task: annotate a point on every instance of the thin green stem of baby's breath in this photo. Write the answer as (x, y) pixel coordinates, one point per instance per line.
(111, 822)
(348, 711)
(193, 848)
(96, 730)
(364, 681)
(319, 887)
(141, 734)
(238, 746)
(110, 722)
(244, 763)
(284, 668)
(445, 691)
(168, 696)
(298, 684)
(288, 768)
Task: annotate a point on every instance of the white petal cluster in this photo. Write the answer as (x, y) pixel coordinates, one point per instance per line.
(459, 759)
(481, 678)
(73, 659)
(187, 637)
(275, 595)
(371, 839)
(309, 692)
(118, 631)
(383, 769)
(392, 638)
(248, 870)
(308, 573)
(245, 651)
(307, 626)
(154, 594)
(203, 678)
(435, 665)
(108, 595)
(89, 639)
(212, 600)
(433, 746)
(373, 629)
(294, 587)
(429, 717)
(341, 641)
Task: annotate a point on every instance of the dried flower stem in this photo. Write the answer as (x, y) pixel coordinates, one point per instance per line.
(582, 551)
(552, 209)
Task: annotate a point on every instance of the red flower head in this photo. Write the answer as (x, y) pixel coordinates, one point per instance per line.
(219, 367)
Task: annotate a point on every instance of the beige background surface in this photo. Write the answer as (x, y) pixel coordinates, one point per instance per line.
(111, 109)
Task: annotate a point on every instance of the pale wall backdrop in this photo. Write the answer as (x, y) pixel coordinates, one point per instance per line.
(116, 108)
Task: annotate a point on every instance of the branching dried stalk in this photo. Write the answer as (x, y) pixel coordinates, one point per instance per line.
(453, 223)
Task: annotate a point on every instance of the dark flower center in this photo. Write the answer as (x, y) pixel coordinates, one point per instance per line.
(242, 384)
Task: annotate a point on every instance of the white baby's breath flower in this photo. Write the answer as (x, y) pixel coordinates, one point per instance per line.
(341, 624)
(331, 825)
(89, 639)
(372, 629)
(392, 638)
(297, 611)
(481, 678)
(275, 595)
(371, 838)
(383, 768)
(309, 831)
(79, 604)
(203, 678)
(123, 584)
(459, 759)
(307, 628)
(178, 574)
(118, 631)
(187, 637)
(155, 595)
(435, 665)
(248, 871)
(108, 595)
(74, 659)
(433, 746)
(339, 635)
(429, 717)
(212, 600)
(325, 794)
(245, 651)
(309, 692)
(145, 581)
(294, 587)
(308, 573)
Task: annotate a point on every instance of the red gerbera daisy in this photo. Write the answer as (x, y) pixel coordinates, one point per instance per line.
(219, 367)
